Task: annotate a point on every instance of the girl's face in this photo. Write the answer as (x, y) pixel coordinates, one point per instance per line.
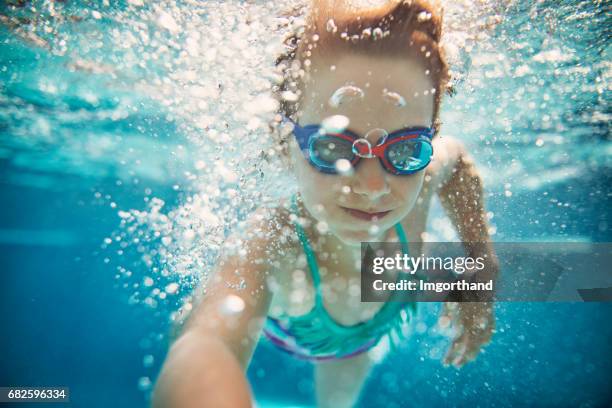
(373, 93)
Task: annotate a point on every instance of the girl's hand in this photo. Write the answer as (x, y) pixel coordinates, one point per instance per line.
(475, 323)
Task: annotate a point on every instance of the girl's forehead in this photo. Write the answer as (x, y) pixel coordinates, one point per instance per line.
(392, 91)
(403, 73)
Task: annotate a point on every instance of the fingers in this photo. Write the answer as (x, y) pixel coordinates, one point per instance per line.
(474, 325)
(465, 348)
(457, 350)
(472, 349)
(471, 355)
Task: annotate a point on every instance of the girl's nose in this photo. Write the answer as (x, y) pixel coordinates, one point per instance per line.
(370, 179)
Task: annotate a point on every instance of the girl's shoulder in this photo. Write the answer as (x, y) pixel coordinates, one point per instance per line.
(448, 150)
(271, 220)
(271, 229)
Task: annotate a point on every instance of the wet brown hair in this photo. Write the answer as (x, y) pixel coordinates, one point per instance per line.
(398, 28)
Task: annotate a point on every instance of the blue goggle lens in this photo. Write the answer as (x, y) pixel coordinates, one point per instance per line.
(409, 155)
(326, 150)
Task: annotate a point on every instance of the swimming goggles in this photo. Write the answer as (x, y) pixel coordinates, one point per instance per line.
(404, 151)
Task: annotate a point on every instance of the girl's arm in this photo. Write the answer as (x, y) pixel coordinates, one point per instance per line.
(462, 196)
(205, 366)
(200, 371)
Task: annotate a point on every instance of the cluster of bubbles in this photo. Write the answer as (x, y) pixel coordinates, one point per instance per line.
(211, 66)
(530, 90)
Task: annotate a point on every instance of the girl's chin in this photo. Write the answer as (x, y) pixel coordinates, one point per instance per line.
(356, 237)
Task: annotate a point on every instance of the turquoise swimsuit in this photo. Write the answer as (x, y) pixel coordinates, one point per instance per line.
(317, 336)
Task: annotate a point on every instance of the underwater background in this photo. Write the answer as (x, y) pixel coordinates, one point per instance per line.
(118, 182)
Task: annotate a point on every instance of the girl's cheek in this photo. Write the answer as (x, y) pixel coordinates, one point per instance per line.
(311, 182)
(409, 187)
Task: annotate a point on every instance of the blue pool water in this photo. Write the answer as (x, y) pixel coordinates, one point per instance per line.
(91, 128)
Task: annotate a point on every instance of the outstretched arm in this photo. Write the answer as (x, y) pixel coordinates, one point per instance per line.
(205, 366)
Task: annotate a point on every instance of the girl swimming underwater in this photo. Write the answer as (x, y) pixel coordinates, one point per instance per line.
(358, 123)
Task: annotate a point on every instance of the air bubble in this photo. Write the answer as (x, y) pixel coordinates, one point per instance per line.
(394, 98)
(345, 93)
(377, 33)
(289, 96)
(423, 16)
(165, 20)
(148, 360)
(232, 305)
(144, 383)
(172, 288)
(334, 124)
(344, 167)
(331, 26)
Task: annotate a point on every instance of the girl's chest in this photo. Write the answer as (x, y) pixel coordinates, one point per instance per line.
(339, 289)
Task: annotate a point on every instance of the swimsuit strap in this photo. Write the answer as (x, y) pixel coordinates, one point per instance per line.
(401, 235)
(312, 260)
(310, 256)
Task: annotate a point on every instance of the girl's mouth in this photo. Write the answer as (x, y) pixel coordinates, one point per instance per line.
(366, 215)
